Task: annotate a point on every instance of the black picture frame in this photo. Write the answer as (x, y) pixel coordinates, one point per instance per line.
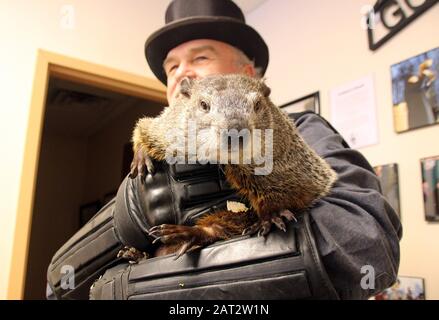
(389, 180)
(87, 211)
(430, 187)
(309, 102)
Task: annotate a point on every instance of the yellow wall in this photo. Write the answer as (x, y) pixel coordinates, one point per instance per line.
(318, 45)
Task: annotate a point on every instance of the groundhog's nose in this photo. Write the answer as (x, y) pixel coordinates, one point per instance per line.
(238, 124)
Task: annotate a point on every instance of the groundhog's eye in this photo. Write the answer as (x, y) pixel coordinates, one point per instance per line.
(204, 106)
(258, 105)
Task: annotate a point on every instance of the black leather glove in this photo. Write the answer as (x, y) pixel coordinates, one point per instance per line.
(176, 194)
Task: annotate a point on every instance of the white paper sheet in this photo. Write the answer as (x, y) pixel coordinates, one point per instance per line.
(353, 112)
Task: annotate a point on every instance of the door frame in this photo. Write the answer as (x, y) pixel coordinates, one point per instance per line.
(48, 65)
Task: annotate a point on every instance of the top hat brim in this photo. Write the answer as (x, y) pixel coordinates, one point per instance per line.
(224, 29)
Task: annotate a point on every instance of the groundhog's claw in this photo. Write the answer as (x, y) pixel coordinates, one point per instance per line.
(189, 237)
(255, 227)
(131, 254)
(279, 223)
(186, 248)
(141, 161)
(287, 214)
(263, 226)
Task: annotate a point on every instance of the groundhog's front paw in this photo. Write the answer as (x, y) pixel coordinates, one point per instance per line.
(141, 161)
(278, 221)
(131, 254)
(190, 238)
(263, 226)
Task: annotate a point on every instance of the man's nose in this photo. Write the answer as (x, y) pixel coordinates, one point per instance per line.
(184, 70)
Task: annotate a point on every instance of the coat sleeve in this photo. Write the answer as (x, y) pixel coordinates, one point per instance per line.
(356, 230)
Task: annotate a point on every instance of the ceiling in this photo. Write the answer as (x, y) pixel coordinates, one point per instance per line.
(79, 110)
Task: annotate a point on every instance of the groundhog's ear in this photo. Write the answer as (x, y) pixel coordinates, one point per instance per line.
(265, 89)
(186, 86)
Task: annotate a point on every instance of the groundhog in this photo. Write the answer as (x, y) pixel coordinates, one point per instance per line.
(296, 177)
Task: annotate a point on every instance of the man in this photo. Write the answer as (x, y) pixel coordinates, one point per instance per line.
(353, 228)
(356, 231)
(202, 57)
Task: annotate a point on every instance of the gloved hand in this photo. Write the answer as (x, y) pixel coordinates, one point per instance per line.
(176, 194)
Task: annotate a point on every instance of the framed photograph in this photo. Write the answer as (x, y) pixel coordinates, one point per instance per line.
(405, 288)
(415, 91)
(430, 187)
(308, 103)
(87, 211)
(388, 175)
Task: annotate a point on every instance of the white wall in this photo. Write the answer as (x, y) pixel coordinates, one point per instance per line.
(108, 32)
(318, 45)
(315, 45)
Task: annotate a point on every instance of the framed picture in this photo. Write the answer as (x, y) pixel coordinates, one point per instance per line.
(430, 187)
(87, 211)
(405, 288)
(388, 175)
(415, 91)
(308, 103)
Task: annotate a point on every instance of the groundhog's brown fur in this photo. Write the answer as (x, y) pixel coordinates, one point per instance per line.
(298, 178)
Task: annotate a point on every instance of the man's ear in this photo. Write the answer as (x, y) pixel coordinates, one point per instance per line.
(264, 88)
(186, 86)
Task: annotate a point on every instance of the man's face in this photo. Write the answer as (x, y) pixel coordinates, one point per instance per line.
(200, 58)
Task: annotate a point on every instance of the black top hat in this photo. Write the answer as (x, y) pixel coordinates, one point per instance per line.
(220, 20)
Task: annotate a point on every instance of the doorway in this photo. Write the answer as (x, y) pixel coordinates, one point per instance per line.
(77, 153)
